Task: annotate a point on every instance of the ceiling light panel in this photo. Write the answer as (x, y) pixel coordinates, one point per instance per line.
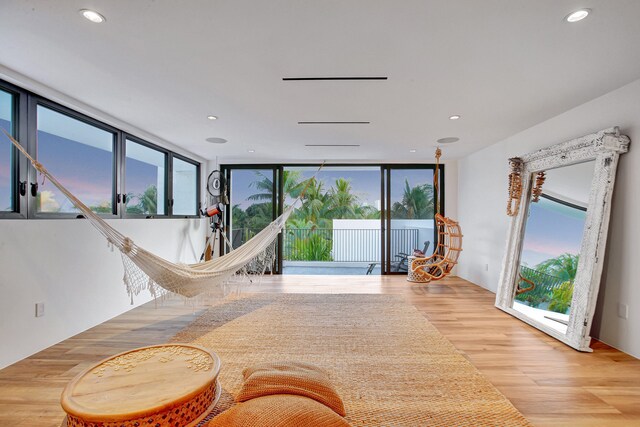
(289, 79)
(332, 145)
(333, 123)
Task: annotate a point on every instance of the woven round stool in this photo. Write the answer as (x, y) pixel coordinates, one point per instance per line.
(161, 386)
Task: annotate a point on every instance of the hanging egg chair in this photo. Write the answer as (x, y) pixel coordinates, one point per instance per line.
(446, 253)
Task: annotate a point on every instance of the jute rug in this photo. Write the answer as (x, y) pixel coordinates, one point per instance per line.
(389, 364)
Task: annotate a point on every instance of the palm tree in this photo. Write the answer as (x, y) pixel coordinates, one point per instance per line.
(417, 203)
(292, 187)
(315, 205)
(563, 267)
(367, 212)
(239, 217)
(149, 200)
(342, 203)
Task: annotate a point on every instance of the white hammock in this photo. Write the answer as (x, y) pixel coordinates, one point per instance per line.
(144, 270)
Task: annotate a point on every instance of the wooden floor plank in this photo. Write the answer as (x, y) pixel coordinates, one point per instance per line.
(550, 383)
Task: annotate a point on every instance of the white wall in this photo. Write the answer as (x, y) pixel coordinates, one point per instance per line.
(451, 186)
(67, 265)
(482, 197)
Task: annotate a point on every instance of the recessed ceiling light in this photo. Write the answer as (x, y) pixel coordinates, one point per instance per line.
(448, 140)
(92, 16)
(413, 150)
(212, 117)
(251, 151)
(214, 140)
(578, 15)
(454, 117)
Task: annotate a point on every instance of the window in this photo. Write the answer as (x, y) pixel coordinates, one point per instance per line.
(145, 180)
(7, 169)
(112, 172)
(81, 157)
(185, 187)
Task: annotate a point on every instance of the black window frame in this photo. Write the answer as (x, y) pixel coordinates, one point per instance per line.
(19, 165)
(385, 192)
(277, 203)
(25, 130)
(172, 156)
(123, 174)
(385, 217)
(34, 102)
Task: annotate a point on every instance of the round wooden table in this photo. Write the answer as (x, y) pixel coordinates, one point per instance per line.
(158, 386)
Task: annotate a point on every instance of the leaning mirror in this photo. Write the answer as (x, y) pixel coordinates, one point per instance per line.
(560, 205)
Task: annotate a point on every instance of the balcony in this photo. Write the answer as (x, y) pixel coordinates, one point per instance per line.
(341, 251)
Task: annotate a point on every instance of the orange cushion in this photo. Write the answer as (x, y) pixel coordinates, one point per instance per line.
(298, 378)
(283, 410)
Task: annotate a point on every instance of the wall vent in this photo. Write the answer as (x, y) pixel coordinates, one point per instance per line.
(290, 79)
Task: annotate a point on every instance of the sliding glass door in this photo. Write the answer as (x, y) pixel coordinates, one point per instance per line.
(408, 218)
(336, 228)
(253, 202)
(353, 219)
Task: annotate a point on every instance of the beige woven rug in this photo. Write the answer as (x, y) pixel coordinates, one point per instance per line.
(389, 364)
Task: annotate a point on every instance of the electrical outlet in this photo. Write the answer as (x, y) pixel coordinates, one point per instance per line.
(623, 311)
(486, 267)
(39, 309)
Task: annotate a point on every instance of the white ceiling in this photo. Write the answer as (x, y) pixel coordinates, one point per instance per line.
(164, 65)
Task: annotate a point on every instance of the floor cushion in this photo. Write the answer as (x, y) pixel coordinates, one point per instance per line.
(281, 410)
(297, 378)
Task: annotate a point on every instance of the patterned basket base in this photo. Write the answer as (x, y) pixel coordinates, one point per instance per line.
(188, 415)
(411, 276)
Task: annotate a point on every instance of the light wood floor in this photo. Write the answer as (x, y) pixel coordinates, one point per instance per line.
(551, 384)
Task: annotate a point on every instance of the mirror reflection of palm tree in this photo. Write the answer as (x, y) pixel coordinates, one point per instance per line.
(563, 267)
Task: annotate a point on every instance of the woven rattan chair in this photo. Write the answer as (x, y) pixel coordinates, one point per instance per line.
(445, 256)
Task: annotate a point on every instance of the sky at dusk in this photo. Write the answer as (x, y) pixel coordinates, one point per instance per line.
(85, 170)
(552, 229)
(6, 100)
(5, 167)
(365, 181)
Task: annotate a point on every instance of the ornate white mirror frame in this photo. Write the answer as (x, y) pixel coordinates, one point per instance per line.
(605, 148)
